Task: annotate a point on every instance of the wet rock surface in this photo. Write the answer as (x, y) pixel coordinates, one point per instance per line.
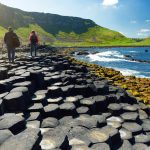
(50, 103)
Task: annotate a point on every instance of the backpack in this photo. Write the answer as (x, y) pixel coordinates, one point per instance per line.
(15, 41)
(33, 38)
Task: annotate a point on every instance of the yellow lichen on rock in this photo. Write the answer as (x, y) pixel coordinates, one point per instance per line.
(138, 87)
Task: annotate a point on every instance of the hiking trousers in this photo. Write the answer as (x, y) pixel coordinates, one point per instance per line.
(11, 54)
(33, 49)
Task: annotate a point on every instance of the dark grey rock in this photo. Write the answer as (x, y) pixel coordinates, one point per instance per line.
(79, 139)
(33, 124)
(33, 116)
(87, 121)
(1, 107)
(101, 120)
(142, 114)
(38, 78)
(130, 116)
(37, 107)
(115, 119)
(41, 92)
(27, 140)
(90, 103)
(113, 134)
(102, 87)
(57, 100)
(67, 90)
(25, 92)
(115, 109)
(50, 123)
(126, 135)
(30, 85)
(65, 120)
(39, 99)
(12, 122)
(126, 145)
(98, 136)
(107, 114)
(141, 138)
(146, 127)
(77, 131)
(67, 109)
(83, 110)
(54, 139)
(3, 73)
(140, 146)
(51, 110)
(132, 127)
(130, 108)
(100, 146)
(112, 98)
(4, 135)
(14, 102)
(101, 103)
(72, 99)
(54, 91)
(3, 95)
(80, 147)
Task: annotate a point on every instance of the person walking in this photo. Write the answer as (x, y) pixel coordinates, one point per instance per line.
(12, 41)
(33, 43)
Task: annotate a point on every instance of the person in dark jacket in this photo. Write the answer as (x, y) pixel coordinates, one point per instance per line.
(8, 39)
(33, 42)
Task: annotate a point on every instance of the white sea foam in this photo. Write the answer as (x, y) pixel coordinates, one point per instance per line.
(103, 59)
(115, 56)
(128, 72)
(133, 52)
(108, 56)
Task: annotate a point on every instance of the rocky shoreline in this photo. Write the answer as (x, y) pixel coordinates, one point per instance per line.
(138, 87)
(52, 103)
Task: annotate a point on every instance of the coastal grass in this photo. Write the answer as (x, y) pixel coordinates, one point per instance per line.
(137, 87)
(24, 32)
(95, 37)
(2, 33)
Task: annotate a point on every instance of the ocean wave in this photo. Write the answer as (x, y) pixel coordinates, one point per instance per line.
(110, 54)
(128, 72)
(115, 59)
(133, 52)
(107, 56)
(103, 59)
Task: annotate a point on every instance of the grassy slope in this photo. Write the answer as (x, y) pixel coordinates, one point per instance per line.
(96, 36)
(24, 32)
(2, 33)
(145, 42)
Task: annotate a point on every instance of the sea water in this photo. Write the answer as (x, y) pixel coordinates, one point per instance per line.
(115, 58)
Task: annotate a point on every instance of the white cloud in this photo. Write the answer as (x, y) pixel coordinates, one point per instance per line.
(147, 20)
(144, 30)
(143, 33)
(110, 2)
(133, 21)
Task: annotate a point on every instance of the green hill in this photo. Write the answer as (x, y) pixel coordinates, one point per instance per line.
(145, 41)
(59, 30)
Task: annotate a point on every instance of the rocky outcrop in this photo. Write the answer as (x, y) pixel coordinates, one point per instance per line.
(49, 103)
(136, 60)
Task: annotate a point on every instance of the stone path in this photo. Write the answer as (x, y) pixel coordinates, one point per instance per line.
(48, 103)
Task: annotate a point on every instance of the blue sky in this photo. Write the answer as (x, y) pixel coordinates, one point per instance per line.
(130, 17)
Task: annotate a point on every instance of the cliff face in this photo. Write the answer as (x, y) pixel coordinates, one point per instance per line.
(49, 22)
(57, 29)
